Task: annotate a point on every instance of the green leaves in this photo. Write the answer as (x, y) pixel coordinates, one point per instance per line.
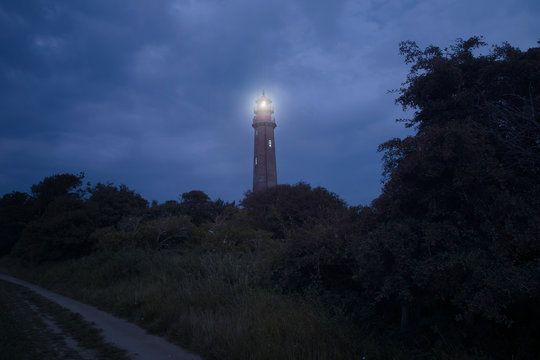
(458, 225)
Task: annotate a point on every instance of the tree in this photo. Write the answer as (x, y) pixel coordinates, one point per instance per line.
(16, 210)
(458, 240)
(60, 233)
(284, 208)
(315, 227)
(54, 186)
(61, 226)
(107, 204)
(200, 208)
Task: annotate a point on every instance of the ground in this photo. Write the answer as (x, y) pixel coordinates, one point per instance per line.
(33, 325)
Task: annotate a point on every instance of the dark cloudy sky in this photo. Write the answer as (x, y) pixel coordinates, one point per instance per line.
(158, 95)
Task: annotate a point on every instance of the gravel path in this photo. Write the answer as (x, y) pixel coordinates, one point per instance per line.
(139, 344)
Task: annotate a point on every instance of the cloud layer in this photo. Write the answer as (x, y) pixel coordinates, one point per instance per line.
(159, 95)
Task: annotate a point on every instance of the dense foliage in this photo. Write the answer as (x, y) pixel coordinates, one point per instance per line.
(447, 257)
(458, 246)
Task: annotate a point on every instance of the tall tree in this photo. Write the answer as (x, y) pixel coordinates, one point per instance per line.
(61, 227)
(459, 236)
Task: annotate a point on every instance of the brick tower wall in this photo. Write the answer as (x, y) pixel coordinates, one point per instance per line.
(264, 160)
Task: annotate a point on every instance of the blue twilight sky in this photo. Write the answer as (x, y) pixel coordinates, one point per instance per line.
(158, 95)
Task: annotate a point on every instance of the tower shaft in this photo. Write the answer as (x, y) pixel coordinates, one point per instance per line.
(264, 162)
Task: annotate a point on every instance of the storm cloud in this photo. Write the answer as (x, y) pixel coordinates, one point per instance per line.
(158, 95)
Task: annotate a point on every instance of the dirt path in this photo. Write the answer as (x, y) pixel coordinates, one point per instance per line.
(139, 344)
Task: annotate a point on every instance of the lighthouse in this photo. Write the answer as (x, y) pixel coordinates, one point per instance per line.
(264, 158)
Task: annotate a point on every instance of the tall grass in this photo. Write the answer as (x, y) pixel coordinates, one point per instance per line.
(213, 302)
(209, 302)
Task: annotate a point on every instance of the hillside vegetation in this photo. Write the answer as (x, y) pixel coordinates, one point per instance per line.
(443, 264)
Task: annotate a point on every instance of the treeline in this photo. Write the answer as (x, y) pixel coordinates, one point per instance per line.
(63, 219)
(447, 256)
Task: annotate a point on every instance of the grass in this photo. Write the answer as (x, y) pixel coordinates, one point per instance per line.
(212, 303)
(32, 327)
(208, 302)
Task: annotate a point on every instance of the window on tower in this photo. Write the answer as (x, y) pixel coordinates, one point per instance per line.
(255, 160)
(270, 143)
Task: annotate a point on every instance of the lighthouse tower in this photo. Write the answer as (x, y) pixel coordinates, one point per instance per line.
(264, 159)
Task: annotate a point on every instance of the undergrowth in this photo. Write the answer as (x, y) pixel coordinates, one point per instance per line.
(212, 303)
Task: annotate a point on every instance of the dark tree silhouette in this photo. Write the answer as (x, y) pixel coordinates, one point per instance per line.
(16, 210)
(107, 204)
(458, 244)
(54, 186)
